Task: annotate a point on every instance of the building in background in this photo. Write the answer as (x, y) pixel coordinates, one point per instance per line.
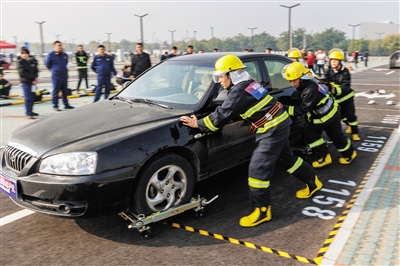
(369, 30)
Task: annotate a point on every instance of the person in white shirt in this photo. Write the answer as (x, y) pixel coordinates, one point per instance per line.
(321, 56)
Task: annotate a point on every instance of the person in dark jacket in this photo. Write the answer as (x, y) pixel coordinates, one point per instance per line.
(140, 61)
(366, 57)
(57, 62)
(322, 113)
(5, 87)
(81, 65)
(339, 80)
(164, 56)
(250, 101)
(125, 77)
(103, 65)
(173, 52)
(28, 74)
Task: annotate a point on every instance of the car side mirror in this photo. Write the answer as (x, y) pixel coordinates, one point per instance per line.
(221, 97)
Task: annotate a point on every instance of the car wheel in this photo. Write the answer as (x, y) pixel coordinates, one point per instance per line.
(165, 182)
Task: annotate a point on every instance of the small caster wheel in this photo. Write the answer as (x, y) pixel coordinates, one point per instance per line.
(200, 214)
(145, 234)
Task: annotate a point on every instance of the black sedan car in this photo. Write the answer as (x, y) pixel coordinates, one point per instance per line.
(132, 151)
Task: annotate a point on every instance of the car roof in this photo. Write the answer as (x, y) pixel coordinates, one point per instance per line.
(216, 56)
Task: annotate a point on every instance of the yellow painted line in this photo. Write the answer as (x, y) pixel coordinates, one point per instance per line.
(18, 102)
(73, 96)
(332, 234)
(244, 243)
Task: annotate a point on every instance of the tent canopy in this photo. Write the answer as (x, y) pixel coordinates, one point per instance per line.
(5, 45)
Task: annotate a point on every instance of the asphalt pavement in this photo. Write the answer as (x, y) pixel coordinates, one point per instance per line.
(353, 220)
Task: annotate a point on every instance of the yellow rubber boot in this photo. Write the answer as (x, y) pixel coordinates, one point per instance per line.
(348, 160)
(310, 189)
(348, 130)
(322, 162)
(259, 215)
(356, 137)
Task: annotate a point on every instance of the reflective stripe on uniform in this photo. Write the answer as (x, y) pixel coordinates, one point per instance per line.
(273, 123)
(328, 116)
(209, 124)
(255, 183)
(355, 123)
(260, 105)
(324, 100)
(296, 166)
(317, 143)
(347, 146)
(79, 67)
(291, 110)
(348, 96)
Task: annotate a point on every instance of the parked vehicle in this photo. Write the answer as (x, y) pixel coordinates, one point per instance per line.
(132, 151)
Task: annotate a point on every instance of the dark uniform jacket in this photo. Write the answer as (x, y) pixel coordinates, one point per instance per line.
(57, 63)
(81, 60)
(242, 102)
(103, 65)
(28, 71)
(339, 83)
(140, 63)
(315, 102)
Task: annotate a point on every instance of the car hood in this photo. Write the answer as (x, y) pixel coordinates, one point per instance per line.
(92, 121)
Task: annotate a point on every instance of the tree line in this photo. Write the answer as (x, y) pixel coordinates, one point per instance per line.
(328, 39)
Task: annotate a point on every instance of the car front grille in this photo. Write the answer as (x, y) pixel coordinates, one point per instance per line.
(16, 158)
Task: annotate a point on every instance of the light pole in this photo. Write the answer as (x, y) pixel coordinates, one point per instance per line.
(212, 32)
(290, 30)
(108, 40)
(379, 42)
(16, 43)
(41, 35)
(354, 26)
(172, 37)
(194, 34)
(153, 37)
(252, 30)
(57, 36)
(141, 26)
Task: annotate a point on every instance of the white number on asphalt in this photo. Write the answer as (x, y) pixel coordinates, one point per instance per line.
(371, 145)
(391, 119)
(329, 200)
(347, 183)
(323, 214)
(343, 192)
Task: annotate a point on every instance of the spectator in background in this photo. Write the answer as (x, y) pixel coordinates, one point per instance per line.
(164, 56)
(268, 50)
(5, 87)
(310, 59)
(303, 56)
(173, 52)
(57, 62)
(345, 56)
(140, 61)
(111, 55)
(2, 62)
(321, 57)
(180, 52)
(251, 50)
(355, 57)
(28, 74)
(189, 50)
(11, 59)
(201, 51)
(103, 65)
(215, 50)
(366, 57)
(81, 65)
(125, 77)
(246, 50)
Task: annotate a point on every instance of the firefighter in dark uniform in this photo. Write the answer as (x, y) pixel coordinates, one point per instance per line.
(323, 114)
(103, 65)
(81, 65)
(271, 124)
(339, 80)
(294, 54)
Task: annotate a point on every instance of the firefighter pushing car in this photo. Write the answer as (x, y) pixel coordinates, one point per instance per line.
(322, 112)
(270, 122)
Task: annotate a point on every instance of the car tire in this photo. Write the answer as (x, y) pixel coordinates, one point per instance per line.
(165, 182)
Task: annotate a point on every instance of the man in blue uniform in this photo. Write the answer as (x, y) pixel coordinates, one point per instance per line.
(271, 124)
(57, 62)
(103, 65)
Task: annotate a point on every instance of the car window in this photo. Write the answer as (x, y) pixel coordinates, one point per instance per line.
(179, 82)
(274, 68)
(253, 68)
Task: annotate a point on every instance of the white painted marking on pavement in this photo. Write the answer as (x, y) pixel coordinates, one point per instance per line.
(374, 95)
(389, 73)
(389, 85)
(15, 216)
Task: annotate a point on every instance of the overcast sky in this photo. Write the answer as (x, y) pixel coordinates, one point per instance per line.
(90, 20)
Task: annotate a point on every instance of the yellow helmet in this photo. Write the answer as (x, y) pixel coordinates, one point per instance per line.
(336, 53)
(294, 53)
(228, 63)
(296, 70)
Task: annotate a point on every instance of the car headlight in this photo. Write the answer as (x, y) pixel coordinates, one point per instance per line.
(74, 163)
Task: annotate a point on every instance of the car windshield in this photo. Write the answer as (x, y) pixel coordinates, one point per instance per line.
(179, 84)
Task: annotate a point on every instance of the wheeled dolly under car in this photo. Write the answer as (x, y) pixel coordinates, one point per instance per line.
(140, 221)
